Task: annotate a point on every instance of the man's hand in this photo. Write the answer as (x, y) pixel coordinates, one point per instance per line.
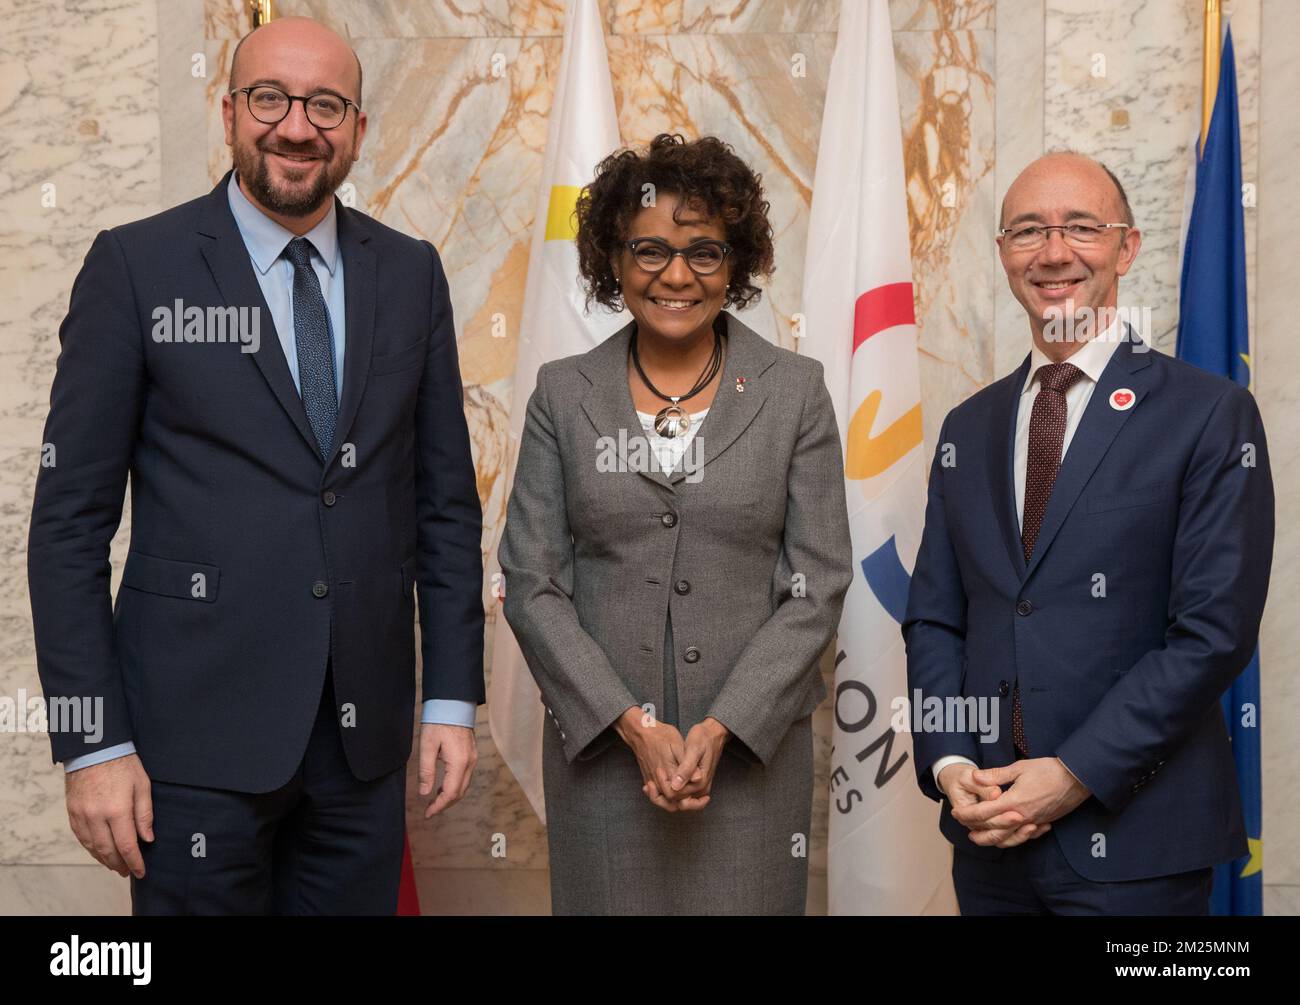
(659, 748)
(109, 805)
(455, 747)
(959, 785)
(1042, 789)
(964, 791)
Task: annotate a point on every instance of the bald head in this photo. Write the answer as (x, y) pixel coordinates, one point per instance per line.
(1063, 177)
(322, 54)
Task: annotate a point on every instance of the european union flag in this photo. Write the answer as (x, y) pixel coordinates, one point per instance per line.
(1213, 334)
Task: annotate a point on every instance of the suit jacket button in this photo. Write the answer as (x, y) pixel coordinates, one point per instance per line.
(682, 587)
(1004, 688)
(692, 655)
(319, 589)
(1024, 608)
(669, 519)
(328, 498)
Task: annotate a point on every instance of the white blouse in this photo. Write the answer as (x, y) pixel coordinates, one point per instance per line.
(669, 450)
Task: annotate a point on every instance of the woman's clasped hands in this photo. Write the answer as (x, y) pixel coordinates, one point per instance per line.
(677, 772)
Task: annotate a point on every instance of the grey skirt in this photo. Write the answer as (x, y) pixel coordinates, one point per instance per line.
(612, 851)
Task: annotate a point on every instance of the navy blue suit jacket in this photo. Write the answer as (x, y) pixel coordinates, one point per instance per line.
(1172, 502)
(251, 562)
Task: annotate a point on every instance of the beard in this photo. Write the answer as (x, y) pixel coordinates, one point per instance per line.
(295, 199)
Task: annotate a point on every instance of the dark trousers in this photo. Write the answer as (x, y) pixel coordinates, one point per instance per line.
(1035, 878)
(324, 843)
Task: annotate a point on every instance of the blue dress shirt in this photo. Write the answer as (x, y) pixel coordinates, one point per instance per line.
(265, 240)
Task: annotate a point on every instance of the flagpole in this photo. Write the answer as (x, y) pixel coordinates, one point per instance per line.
(1209, 67)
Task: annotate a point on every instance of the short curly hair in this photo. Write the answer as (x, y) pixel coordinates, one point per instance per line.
(704, 171)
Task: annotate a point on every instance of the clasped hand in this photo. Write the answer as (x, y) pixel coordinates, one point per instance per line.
(677, 772)
(1040, 790)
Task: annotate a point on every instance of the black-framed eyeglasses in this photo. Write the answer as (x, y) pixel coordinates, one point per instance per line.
(270, 105)
(703, 257)
(1078, 235)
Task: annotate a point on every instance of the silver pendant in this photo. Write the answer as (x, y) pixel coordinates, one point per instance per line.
(672, 421)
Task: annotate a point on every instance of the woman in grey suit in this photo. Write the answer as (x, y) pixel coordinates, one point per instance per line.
(676, 555)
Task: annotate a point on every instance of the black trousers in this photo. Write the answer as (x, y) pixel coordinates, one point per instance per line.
(324, 843)
(1036, 878)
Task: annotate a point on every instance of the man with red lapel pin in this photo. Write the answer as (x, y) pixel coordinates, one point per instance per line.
(1094, 566)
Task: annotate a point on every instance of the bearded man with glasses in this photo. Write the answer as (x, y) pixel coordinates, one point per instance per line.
(257, 674)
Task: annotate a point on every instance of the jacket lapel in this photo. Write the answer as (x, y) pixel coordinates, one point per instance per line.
(608, 402)
(1097, 430)
(748, 356)
(1001, 464)
(228, 260)
(359, 295)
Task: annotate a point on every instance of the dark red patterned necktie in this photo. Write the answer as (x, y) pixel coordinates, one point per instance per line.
(1046, 436)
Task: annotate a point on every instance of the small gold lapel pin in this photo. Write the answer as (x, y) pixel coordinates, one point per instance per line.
(740, 384)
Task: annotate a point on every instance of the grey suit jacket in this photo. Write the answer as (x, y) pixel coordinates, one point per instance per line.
(750, 551)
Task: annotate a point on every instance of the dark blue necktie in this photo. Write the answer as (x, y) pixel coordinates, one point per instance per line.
(311, 332)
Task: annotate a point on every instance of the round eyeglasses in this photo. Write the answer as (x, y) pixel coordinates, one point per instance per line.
(703, 257)
(270, 105)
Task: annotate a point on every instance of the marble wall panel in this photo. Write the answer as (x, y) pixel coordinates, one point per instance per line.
(80, 128)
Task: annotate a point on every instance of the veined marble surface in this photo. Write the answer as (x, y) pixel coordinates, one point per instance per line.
(1276, 364)
(79, 117)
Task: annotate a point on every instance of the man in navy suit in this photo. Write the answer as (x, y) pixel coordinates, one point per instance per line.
(1094, 566)
(278, 375)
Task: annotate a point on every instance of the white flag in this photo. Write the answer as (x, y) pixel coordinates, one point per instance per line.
(885, 854)
(582, 131)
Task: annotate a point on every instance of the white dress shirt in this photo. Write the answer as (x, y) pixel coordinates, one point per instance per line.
(1091, 358)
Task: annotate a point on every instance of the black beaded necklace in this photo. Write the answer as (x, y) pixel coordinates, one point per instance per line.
(672, 420)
